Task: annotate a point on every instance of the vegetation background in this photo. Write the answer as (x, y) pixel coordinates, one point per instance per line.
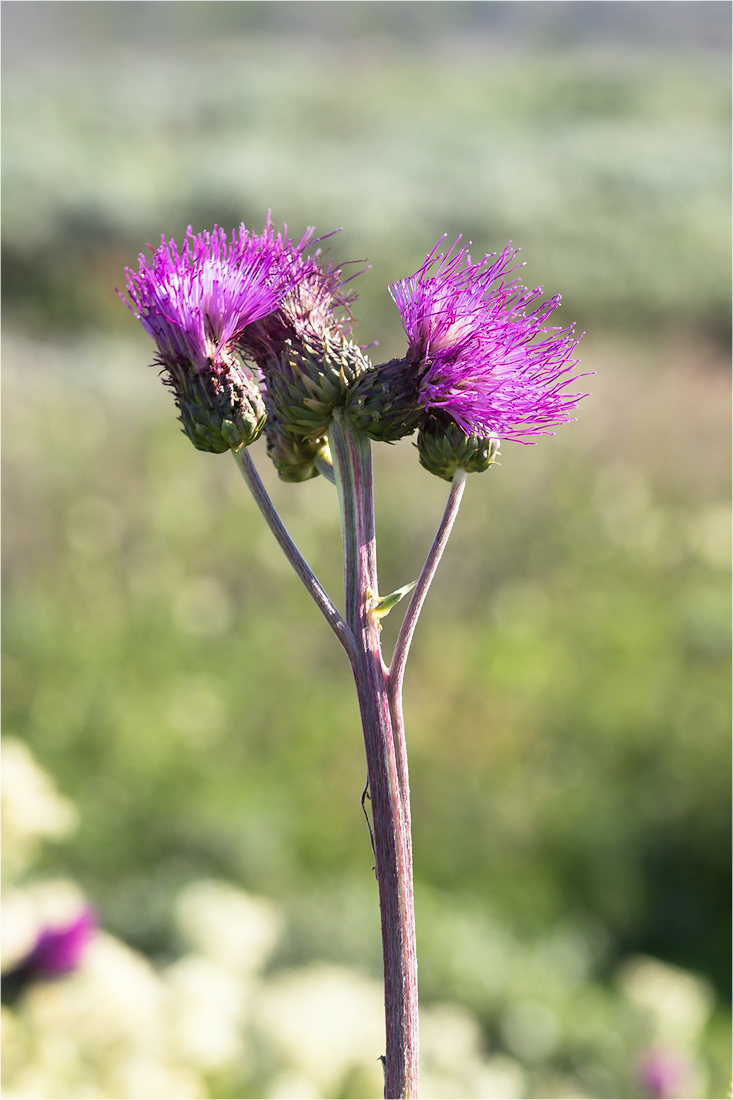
(567, 699)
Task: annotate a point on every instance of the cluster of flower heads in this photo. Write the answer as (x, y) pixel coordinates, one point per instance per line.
(253, 332)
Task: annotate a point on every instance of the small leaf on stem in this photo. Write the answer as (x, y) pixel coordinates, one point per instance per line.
(382, 605)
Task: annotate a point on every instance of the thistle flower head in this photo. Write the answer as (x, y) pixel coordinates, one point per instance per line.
(479, 349)
(196, 303)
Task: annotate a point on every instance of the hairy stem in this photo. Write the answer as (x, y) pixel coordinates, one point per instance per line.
(351, 452)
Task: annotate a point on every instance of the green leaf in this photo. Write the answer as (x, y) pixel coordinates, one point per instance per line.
(383, 604)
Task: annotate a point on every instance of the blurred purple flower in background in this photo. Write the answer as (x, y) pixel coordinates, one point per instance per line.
(665, 1074)
(474, 344)
(58, 950)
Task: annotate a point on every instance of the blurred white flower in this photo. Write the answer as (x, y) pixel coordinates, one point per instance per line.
(54, 902)
(229, 926)
(498, 1078)
(323, 1021)
(103, 1033)
(289, 1086)
(449, 1037)
(453, 1063)
(677, 1002)
(208, 1012)
(31, 809)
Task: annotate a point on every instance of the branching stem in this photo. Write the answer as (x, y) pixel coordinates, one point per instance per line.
(379, 691)
(262, 498)
(389, 796)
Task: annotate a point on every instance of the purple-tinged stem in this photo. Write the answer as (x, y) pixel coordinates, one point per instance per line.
(249, 472)
(351, 452)
(396, 672)
(407, 630)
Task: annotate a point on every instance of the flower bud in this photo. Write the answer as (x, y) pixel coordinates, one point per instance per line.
(294, 460)
(307, 377)
(445, 448)
(302, 350)
(384, 403)
(221, 408)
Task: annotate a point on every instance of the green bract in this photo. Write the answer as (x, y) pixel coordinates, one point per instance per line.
(445, 448)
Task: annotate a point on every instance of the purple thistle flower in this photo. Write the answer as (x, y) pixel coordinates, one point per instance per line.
(196, 304)
(473, 339)
(314, 307)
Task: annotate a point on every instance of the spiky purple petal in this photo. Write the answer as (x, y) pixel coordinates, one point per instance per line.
(196, 302)
(482, 348)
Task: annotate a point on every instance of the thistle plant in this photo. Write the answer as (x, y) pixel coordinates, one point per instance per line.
(253, 334)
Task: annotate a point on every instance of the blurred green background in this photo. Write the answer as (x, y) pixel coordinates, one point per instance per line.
(567, 698)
